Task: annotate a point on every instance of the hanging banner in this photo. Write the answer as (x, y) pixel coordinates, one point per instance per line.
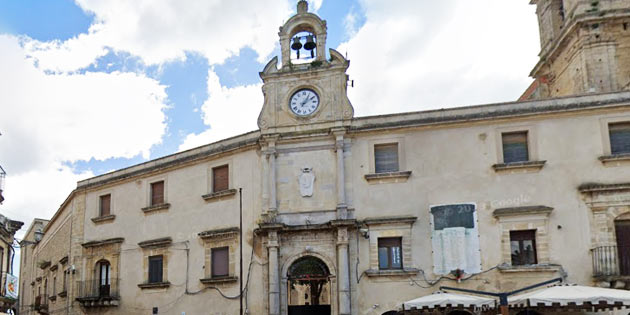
(11, 286)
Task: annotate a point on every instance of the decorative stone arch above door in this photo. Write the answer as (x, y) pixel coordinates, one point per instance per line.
(284, 280)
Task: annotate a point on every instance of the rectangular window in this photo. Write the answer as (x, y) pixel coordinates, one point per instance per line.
(619, 137)
(105, 205)
(220, 262)
(220, 178)
(386, 158)
(65, 281)
(157, 193)
(54, 289)
(155, 269)
(515, 147)
(390, 253)
(523, 247)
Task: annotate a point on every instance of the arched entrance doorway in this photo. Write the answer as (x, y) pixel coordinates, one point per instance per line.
(309, 287)
(622, 234)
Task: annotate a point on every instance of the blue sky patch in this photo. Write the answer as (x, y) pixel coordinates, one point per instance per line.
(43, 20)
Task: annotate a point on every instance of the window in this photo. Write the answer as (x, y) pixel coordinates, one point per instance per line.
(515, 147)
(619, 137)
(220, 262)
(220, 178)
(54, 289)
(386, 158)
(155, 269)
(523, 247)
(105, 205)
(157, 193)
(65, 281)
(390, 253)
(104, 278)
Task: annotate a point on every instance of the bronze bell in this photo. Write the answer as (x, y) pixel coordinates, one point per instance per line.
(310, 43)
(297, 45)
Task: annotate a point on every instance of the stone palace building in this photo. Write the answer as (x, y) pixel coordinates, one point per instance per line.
(354, 215)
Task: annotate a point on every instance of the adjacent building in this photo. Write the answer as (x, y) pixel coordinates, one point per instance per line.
(345, 214)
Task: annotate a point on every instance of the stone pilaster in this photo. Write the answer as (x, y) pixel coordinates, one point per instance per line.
(342, 207)
(343, 284)
(274, 279)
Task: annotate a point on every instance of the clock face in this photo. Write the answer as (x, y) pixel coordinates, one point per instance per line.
(304, 102)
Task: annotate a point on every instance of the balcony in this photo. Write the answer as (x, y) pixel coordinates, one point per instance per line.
(94, 294)
(41, 304)
(611, 263)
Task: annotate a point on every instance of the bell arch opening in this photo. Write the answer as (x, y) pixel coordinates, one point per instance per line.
(309, 287)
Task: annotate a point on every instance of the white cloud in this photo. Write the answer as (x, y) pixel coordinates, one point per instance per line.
(163, 30)
(428, 54)
(228, 112)
(38, 194)
(47, 119)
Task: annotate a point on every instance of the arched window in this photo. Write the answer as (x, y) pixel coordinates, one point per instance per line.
(103, 272)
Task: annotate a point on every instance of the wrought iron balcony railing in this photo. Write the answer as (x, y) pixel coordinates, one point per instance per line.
(98, 289)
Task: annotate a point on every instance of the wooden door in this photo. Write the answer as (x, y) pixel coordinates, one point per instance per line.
(622, 229)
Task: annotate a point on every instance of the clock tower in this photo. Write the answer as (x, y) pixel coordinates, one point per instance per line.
(307, 91)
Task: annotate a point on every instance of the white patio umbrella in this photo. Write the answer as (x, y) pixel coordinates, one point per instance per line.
(569, 295)
(442, 299)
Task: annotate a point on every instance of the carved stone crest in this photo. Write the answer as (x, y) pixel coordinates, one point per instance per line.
(306, 180)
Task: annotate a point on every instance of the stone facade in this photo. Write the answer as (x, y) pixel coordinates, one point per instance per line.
(363, 236)
(585, 48)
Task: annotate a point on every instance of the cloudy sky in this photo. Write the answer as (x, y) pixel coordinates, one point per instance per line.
(91, 86)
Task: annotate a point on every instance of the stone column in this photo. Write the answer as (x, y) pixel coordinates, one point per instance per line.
(343, 283)
(274, 279)
(342, 208)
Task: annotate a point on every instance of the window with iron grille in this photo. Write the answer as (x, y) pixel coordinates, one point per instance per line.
(105, 205)
(220, 178)
(155, 269)
(390, 253)
(220, 262)
(523, 247)
(157, 193)
(386, 158)
(619, 137)
(515, 147)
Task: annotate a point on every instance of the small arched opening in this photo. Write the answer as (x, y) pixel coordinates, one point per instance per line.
(309, 287)
(103, 277)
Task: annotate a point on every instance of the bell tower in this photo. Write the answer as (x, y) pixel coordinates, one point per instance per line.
(584, 48)
(308, 91)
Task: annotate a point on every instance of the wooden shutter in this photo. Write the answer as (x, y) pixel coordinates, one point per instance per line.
(515, 147)
(106, 201)
(220, 178)
(622, 232)
(157, 193)
(220, 262)
(155, 269)
(619, 137)
(386, 158)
